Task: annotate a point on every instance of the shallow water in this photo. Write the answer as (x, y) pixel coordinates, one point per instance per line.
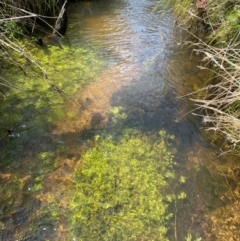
(122, 67)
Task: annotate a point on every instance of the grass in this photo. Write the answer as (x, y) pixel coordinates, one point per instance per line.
(215, 34)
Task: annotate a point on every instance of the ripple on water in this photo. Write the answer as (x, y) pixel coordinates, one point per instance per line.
(142, 76)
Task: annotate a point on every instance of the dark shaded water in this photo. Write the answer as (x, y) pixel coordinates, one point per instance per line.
(147, 73)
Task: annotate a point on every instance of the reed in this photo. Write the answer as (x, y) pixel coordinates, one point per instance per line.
(35, 6)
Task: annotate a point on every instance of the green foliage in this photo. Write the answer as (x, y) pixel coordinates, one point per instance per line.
(189, 238)
(47, 162)
(180, 10)
(182, 179)
(35, 101)
(11, 28)
(120, 192)
(220, 20)
(38, 184)
(117, 115)
(226, 22)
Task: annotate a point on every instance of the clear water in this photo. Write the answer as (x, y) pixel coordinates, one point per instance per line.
(122, 67)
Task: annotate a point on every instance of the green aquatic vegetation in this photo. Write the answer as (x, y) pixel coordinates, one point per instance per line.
(47, 162)
(32, 102)
(182, 195)
(36, 98)
(122, 190)
(182, 179)
(35, 103)
(38, 184)
(61, 150)
(190, 238)
(72, 115)
(10, 190)
(117, 115)
(1, 225)
(52, 207)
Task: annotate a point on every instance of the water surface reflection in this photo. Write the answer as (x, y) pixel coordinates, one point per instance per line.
(146, 73)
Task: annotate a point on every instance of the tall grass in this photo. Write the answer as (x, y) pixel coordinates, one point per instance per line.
(35, 6)
(215, 27)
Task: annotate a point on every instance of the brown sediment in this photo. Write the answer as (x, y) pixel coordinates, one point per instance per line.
(192, 212)
(95, 99)
(213, 194)
(5, 176)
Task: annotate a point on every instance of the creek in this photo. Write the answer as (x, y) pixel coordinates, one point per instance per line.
(122, 72)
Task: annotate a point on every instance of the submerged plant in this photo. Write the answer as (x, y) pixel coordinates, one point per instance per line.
(120, 192)
(190, 238)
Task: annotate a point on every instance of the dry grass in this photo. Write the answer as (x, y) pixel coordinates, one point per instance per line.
(220, 99)
(214, 26)
(14, 17)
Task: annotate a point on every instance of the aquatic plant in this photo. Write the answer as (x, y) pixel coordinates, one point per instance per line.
(35, 101)
(121, 191)
(47, 162)
(38, 184)
(190, 238)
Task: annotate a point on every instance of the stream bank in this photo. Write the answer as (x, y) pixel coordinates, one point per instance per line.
(123, 109)
(212, 30)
